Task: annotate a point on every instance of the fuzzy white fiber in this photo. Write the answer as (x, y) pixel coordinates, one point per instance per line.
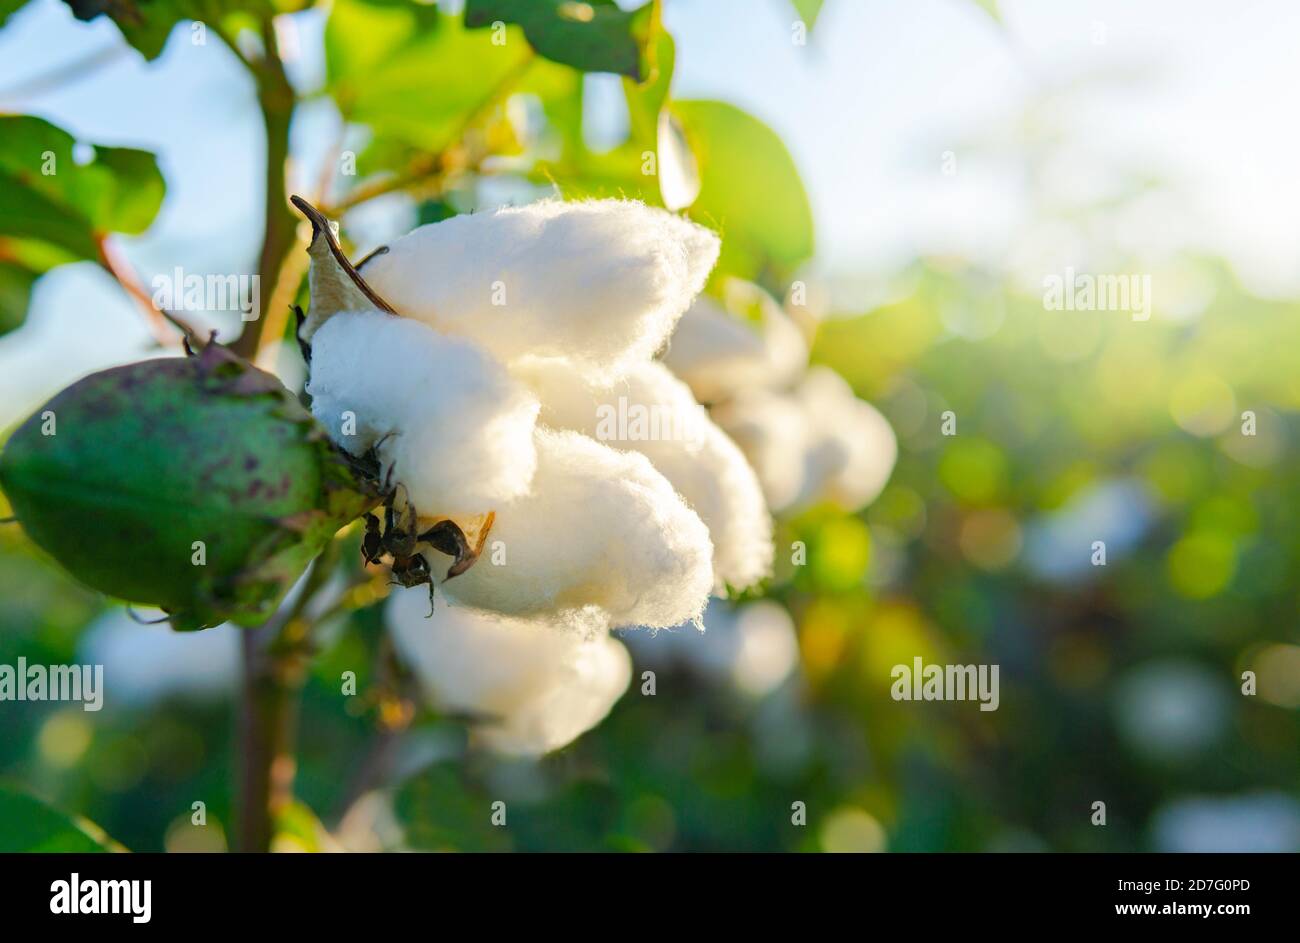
(601, 282)
(718, 353)
(854, 448)
(600, 528)
(773, 432)
(534, 687)
(703, 465)
(459, 429)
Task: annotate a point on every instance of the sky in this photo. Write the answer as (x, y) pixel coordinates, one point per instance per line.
(1061, 103)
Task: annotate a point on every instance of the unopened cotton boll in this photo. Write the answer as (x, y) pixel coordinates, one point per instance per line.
(449, 421)
(535, 687)
(599, 528)
(601, 282)
(772, 431)
(719, 354)
(852, 447)
(652, 412)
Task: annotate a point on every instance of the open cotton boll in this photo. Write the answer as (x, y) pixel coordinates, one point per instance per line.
(772, 431)
(600, 282)
(853, 449)
(600, 528)
(652, 412)
(536, 687)
(719, 354)
(459, 429)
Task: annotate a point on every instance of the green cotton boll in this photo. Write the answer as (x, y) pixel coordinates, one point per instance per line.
(198, 485)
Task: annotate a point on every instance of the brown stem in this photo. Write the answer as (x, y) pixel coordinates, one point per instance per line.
(268, 721)
(276, 97)
(276, 657)
(111, 261)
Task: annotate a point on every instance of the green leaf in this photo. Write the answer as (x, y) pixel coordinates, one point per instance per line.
(412, 75)
(146, 24)
(808, 11)
(594, 36)
(991, 8)
(27, 824)
(750, 191)
(8, 8)
(54, 209)
(15, 291)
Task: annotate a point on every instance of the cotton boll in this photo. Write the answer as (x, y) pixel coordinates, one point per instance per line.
(852, 448)
(450, 422)
(600, 282)
(719, 354)
(652, 412)
(772, 431)
(600, 528)
(537, 687)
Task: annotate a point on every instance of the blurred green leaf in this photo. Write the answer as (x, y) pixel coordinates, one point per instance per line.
(8, 8)
(54, 209)
(146, 24)
(412, 75)
(991, 8)
(808, 11)
(27, 824)
(593, 36)
(750, 191)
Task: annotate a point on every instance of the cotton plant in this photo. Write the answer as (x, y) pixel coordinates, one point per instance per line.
(488, 365)
(807, 435)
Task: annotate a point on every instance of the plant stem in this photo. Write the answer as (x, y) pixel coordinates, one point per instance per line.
(276, 97)
(276, 656)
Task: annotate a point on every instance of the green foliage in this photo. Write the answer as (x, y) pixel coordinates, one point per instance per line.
(750, 191)
(54, 209)
(146, 24)
(591, 36)
(808, 11)
(29, 825)
(411, 74)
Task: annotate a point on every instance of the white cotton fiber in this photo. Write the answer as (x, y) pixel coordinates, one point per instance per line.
(535, 687)
(852, 449)
(599, 528)
(456, 430)
(720, 354)
(600, 282)
(773, 432)
(652, 412)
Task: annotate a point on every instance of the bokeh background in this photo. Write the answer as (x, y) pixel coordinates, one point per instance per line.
(921, 168)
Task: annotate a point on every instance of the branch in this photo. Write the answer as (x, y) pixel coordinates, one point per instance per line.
(112, 262)
(276, 656)
(276, 97)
